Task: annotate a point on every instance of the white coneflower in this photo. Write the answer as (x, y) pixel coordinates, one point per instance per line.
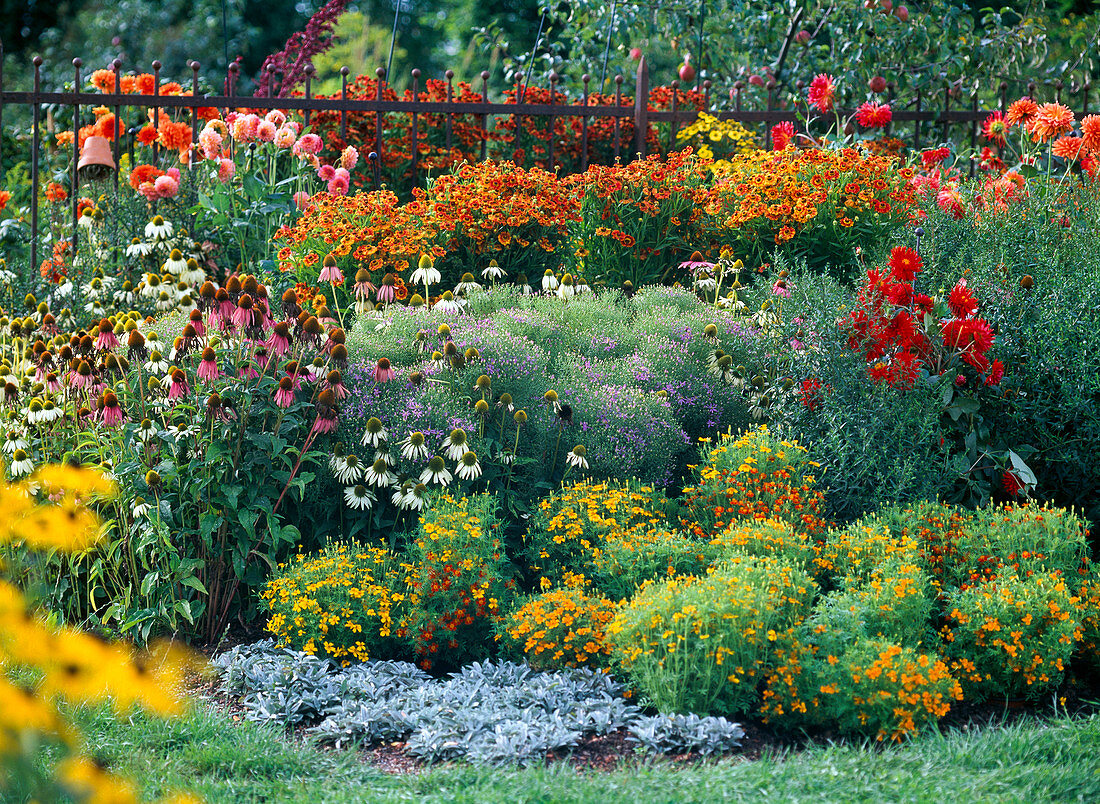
(549, 281)
(493, 271)
(379, 474)
(413, 447)
(359, 497)
(158, 229)
(51, 412)
(414, 498)
(398, 497)
(468, 467)
(436, 472)
(194, 274)
(467, 284)
(426, 273)
(14, 440)
(138, 249)
(21, 464)
(146, 431)
(156, 363)
(455, 445)
(140, 508)
(448, 304)
(566, 290)
(375, 433)
(348, 469)
(576, 459)
(175, 264)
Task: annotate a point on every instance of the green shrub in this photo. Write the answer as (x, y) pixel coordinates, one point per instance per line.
(702, 644)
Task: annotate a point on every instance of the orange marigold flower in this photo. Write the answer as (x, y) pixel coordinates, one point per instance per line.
(1021, 111)
(1051, 120)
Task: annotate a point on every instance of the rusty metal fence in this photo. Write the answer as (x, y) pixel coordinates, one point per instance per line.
(915, 119)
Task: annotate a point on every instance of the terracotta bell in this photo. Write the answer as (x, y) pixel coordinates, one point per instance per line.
(96, 161)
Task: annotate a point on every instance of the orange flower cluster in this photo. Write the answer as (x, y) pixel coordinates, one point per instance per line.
(372, 230)
(754, 477)
(814, 197)
(564, 627)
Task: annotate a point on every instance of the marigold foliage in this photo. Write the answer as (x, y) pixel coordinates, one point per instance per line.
(347, 603)
(564, 627)
(702, 644)
(754, 476)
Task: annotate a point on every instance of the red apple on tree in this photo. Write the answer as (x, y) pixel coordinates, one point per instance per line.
(687, 72)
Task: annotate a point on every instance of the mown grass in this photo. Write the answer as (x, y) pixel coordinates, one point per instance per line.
(224, 760)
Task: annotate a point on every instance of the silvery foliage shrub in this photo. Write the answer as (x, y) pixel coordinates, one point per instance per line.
(490, 713)
(680, 734)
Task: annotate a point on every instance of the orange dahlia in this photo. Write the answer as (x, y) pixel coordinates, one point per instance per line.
(1051, 120)
(1090, 132)
(1021, 111)
(1068, 147)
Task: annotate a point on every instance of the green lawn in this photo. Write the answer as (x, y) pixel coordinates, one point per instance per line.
(226, 761)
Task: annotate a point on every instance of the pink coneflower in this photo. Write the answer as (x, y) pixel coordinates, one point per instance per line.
(196, 321)
(782, 134)
(363, 287)
(301, 200)
(111, 413)
(349, 158)
(330, 271)
(308, 145)
(326, 173)
(387, 293)
(284, 394)
(106, 338)
(178, 388)
(383, 371)
(82, 377)
(242, 314)
(226, 170)
(334, 381)
(279, 342)
(208, 370)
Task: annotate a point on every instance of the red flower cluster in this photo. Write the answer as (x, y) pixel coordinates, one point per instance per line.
(891, 327)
